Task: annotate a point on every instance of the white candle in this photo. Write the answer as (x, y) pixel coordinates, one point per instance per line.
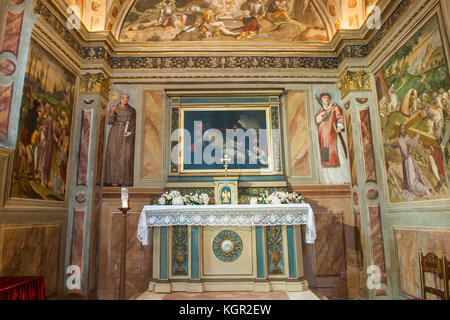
(124, 198)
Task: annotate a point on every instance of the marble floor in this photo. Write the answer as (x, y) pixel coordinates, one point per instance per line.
(235, 295)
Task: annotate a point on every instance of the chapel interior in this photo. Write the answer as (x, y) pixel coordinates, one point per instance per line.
(354, 95)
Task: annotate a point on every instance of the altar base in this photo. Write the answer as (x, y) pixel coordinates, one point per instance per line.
(209, 286)
(227, 258)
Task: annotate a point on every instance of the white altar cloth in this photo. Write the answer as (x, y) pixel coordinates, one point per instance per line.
(227, 215)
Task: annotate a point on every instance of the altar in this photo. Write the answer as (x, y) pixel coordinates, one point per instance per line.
(235, 247)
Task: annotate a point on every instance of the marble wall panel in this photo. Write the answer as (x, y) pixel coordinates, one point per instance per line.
(407, 243)
(109, 248)
(93, 251)
(351, 150)
(330, 244)
(100, 148)
(134, 247)
(297, 134)
(11, 33)
(376, 241)
(76, 257)
(152, 144)
(83, 159)
(31, 250)
(366, 137)
(334, 202)
(359, 244)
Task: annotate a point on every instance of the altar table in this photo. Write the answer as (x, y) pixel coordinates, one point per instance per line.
(227, 247)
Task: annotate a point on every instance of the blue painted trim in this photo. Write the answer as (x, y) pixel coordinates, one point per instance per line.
(260, 252)
(163, 270)
(224, 99)
(247, 178)
(291, 251)
(194, 252)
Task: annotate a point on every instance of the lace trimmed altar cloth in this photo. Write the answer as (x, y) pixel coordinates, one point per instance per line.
(227, 215)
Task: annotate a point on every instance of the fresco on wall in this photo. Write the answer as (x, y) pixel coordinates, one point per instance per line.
(153, 130)
(332, 140)
(120, 146)
(413, 90)
(298, 137)
(223, 20)
(41, 157)
(5, 107)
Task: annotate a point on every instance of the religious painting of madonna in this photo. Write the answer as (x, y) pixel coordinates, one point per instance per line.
(42, 150)
(211, 135)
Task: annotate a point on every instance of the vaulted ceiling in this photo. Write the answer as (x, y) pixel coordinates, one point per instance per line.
(134, 20)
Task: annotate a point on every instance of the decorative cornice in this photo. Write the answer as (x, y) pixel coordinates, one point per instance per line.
(393, 18)
(224, 62)
(58, 27)
(95, 53)
(353, 81)
(95, 83)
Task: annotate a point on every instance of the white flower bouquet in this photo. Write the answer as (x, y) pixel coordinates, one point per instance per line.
(277, 197)
(175, 198)
(196, 199)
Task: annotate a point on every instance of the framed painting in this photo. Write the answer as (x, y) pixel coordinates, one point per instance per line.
(236, 137)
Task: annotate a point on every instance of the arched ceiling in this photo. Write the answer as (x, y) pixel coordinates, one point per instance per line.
(136, 20)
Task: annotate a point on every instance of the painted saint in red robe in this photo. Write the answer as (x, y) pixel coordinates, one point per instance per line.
(330, 122)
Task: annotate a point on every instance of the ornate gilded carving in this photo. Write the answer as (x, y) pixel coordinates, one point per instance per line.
(275, 249)
(95, 83)
(60, 28)
(226, 190)
(227, 246)
(223, 62)
(179, 249)
(353, 81)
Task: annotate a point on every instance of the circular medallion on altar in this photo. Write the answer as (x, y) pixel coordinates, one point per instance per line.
(227, 246)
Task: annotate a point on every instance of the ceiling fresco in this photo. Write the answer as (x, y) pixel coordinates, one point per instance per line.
(222, 20)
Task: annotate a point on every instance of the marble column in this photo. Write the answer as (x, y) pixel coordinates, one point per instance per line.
(87, 166)
(359, 108)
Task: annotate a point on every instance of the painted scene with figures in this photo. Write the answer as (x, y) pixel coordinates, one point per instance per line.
(224, 20)
(41, 160)
(413, 90)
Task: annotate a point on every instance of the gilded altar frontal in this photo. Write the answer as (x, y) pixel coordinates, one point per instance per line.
(224, 150)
